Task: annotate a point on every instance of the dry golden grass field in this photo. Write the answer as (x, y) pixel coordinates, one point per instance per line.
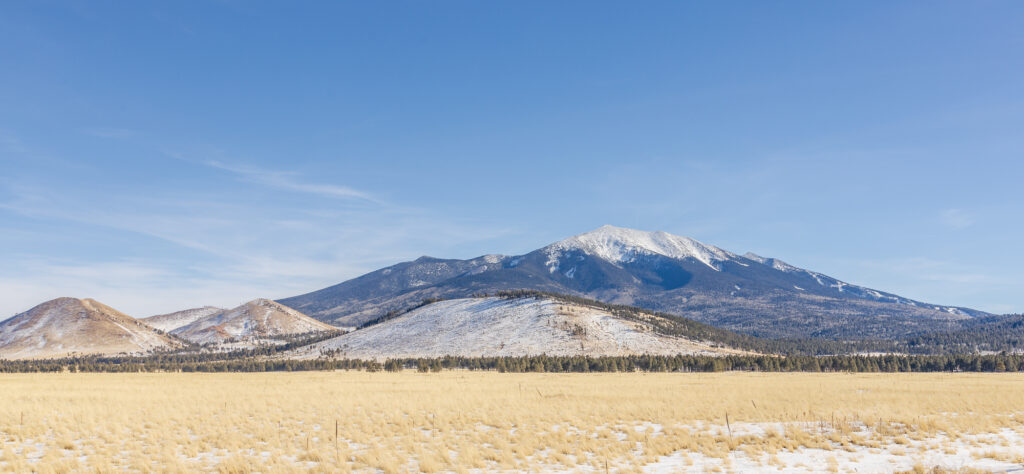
(469, 421)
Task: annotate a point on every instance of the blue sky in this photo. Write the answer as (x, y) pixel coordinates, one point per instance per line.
(157, 156)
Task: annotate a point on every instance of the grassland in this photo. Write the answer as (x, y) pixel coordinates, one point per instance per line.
(465, 421)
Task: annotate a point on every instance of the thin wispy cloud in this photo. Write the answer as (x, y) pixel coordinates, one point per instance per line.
(956, 218)
(10, 143)
(927, 279)
(290, 181)
(112, 132)
(137, 286)
(929, 269)
(40, 203)
(228, 250)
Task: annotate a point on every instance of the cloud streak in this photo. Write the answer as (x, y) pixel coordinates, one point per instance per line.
(934, 281)
(956, 219)
(217, 246)
(289, 181)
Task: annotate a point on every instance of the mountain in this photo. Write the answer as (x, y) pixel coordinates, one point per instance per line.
(493, 326)
(257, 321)
(654, 270)
(67, 326)
(171, 321)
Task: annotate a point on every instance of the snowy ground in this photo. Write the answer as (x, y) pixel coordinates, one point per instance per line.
(455, 421)
(992, 452)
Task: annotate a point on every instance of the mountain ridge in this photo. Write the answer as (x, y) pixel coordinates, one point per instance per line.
(653, 270)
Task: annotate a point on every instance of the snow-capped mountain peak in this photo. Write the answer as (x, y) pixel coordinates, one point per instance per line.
(620, 245)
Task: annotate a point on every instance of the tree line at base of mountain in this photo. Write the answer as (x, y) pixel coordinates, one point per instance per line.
(564, 364)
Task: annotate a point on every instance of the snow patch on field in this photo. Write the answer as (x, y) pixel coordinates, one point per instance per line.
(995, 452)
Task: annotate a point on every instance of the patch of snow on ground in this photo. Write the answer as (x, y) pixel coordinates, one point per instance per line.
(995, 452)
(1000, 451)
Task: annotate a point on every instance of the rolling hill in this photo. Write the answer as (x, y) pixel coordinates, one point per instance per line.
(518, 326)
(255, 322)
(71, 326)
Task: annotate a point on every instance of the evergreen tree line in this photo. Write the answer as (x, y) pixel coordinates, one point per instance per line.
(990, 333)
(696, 363)
(398, 312)
(638, 363)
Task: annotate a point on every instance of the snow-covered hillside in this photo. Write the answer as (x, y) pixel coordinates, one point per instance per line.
(70, 326)
(171, 321)
(257, 321)
(504, 327)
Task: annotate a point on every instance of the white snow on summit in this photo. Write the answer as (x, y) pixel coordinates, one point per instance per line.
(621, 245)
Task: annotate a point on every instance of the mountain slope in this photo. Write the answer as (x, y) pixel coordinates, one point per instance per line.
(984, 334)
(492, 326)
(171, 321)
(66, 326)
(257, 321)
(653, 270)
